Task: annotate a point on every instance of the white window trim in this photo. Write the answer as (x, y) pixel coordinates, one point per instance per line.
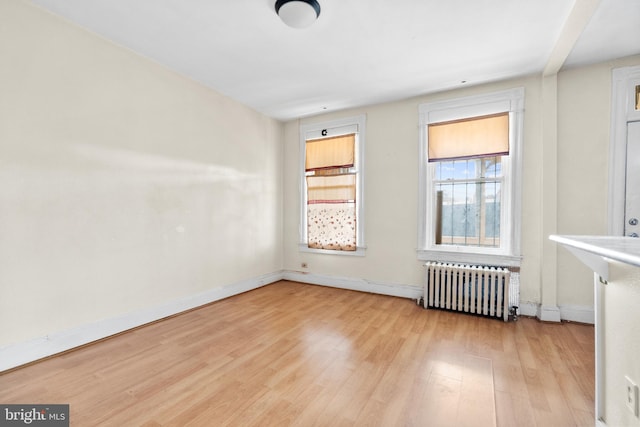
(334, 128)
(455, 109)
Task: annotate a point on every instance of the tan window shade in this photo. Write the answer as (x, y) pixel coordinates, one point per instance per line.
(469, 138)
(338, 188)
(331, 152)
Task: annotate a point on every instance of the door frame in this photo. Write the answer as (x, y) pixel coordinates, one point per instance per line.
(624, 81)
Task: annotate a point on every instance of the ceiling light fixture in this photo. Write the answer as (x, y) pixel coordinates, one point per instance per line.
(298, 13)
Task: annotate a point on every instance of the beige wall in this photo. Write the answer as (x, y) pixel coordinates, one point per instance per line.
(582, 99)
(584, 122)
(391, 190)
(124, 185)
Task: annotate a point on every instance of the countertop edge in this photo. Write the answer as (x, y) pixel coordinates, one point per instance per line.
(616, 248)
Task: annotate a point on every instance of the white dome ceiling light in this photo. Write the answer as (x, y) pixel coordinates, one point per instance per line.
(298, 13)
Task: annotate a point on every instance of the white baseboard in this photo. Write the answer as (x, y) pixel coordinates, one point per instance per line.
(578, 313)
(548, 313)
(29, 351)
(528, 309)
(363, 285)
(573, 313)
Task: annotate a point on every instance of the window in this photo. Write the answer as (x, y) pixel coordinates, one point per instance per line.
(331, 190)
(469, 176)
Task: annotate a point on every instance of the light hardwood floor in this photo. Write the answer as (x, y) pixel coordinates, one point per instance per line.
(295, 354)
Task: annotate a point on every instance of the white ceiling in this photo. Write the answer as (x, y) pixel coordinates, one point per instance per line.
(359, 51)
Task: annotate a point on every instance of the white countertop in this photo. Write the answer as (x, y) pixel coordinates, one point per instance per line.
(597, 251)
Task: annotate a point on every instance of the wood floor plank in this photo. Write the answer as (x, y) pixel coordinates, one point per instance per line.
(514, 410)
(304, 355)
(477, 405)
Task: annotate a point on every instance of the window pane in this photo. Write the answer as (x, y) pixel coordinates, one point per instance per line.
(444, 171)
(457, 169)
(490, 167)
(470, 213)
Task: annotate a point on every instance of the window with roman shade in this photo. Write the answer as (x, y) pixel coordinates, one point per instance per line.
(469, 174)
(332, 158)
(331, 193)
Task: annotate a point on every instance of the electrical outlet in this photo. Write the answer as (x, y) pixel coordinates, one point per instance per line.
(631, 395)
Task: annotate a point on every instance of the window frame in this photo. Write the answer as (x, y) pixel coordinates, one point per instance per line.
(327, 129)
(437, 183)
(508, 254)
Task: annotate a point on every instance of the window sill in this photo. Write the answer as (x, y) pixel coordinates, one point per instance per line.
(470, 258)
(360, 251)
